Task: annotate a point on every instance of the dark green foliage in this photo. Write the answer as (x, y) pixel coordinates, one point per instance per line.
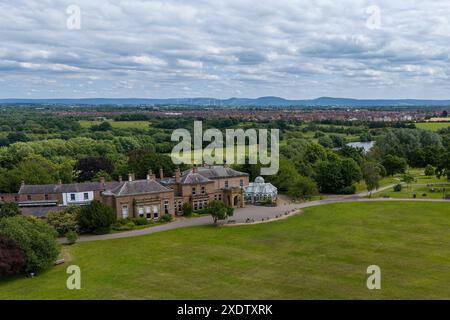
(88, 167)
(104, 126)
(394, 164)
(429, 170)
(166, 218)
(9, 209)
(187, 209)
(96, 218)
(398, 187)
(218, 210)
(140, 161)
(35, 237)
(336, 176)
(72, 237)
(302, 188)
(12, 258)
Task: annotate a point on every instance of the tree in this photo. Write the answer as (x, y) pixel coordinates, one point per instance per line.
(96, 218)
(12, 258)
(429, 170)
(394, 164)
(104, 126)
(140, 161)
(372, 175)
(326, 142)
(337, 175)
(302, 188)
(187, 209)
(64, 221)
(35, 237)
(88, 167)
(218, 210)
(443, 167)
(9, 209)
(408, 179)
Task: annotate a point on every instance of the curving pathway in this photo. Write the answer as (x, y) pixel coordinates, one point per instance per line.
(252, 213)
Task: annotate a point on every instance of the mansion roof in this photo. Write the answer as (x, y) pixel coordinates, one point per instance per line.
(67, 188)
(137, 187)
(216, 172)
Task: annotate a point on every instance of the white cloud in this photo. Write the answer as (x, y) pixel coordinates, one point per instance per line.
(295, 48)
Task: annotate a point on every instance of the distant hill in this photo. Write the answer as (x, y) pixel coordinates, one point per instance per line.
(239, 102)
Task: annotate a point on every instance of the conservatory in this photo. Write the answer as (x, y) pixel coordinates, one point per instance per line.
(260, 192)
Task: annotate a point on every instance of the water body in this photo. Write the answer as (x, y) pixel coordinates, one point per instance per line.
(365, 145)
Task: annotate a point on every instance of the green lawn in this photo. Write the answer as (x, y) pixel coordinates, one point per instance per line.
(118, 124)
(322, 254)
(421, 191)
(433, 126)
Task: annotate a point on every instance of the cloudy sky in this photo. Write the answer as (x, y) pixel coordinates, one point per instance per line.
(225, 48)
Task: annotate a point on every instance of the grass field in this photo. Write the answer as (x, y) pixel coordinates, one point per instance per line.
(118, 124)
(323, 254)
(421, 191)
(433, 126)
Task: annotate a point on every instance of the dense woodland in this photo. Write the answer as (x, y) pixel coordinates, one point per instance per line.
(40, 146)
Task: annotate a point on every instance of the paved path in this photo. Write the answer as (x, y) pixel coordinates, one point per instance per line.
(254, 213)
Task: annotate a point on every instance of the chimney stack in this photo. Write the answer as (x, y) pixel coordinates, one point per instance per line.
(225, 164)
(161, 173)
(59, 181)
(151, 175)
(130, 176)
(120, 178)
(177, 175)
(102, 180)
(22, 183)
(194, 169)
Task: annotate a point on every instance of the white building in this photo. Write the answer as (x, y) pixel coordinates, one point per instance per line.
(260, 191)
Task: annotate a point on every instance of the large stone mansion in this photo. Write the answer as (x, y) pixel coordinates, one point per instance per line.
(133, 198)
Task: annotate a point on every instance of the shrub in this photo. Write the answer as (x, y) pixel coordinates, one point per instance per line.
(187, 209)
(124, 226)
(35, 237)
(348, 190)
(140, 221)
(9, 209)
(12, 258)
(398, 187)
(63, 221)
(96, 218)
(166, 218)
(429, 170)
(72, 237)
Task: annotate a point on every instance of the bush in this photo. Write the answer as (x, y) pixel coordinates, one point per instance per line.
(166, 218)
(398, 187)
(429, 170)
(72, 237)
(124, 226)
(140, 221)
(9, 209)
(187, 209)
(35, 237)
(96, 218)
(348, 190)
(63, 221)
(12, 258)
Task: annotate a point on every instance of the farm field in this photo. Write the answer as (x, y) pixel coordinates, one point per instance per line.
(433, 126)
(117, 124)
(321, 254)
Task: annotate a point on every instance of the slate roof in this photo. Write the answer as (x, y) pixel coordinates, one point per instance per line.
(137, 187)
(67, 188)
(194, 178)
(216, 172)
